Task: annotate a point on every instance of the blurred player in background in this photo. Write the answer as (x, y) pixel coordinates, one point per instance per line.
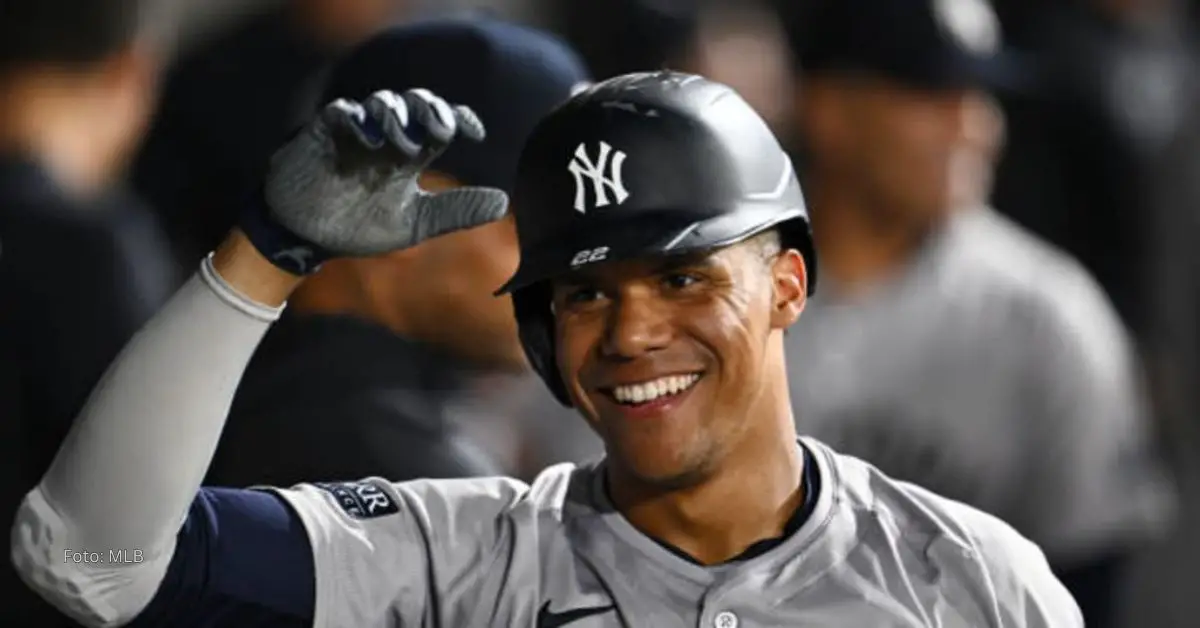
(84, 265)
(950, 347)
(1085, 151)
(370, 371)
(741, 44)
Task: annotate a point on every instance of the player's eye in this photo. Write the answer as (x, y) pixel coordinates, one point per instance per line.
(582, 294)
(679, 281)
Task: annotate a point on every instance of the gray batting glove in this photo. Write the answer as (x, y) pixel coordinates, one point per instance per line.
(348, 182)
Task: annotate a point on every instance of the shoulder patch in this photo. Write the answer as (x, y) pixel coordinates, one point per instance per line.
(364, 499)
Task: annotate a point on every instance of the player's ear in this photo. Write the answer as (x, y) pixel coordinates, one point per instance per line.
(789, 278)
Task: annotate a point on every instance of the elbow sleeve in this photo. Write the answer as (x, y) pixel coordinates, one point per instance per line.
(96, 586)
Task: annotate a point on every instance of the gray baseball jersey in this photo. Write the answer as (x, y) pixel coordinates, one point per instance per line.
(110, 538)
(992, 371)
(875, 552)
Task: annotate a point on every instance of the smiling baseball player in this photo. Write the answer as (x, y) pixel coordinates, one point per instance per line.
(665, 249)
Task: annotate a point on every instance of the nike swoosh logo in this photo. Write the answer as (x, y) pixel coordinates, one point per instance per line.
(547, 619)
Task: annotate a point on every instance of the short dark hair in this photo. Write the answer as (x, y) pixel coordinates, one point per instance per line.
(66, 32)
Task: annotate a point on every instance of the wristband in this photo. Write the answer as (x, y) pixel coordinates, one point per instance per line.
(280, 246)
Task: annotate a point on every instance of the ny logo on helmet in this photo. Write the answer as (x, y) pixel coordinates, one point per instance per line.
(603, 182)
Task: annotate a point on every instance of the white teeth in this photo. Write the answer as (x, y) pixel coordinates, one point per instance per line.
(649, 391)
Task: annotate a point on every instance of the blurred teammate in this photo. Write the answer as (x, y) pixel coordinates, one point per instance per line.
(83, 265)
(743, 46)
(1086, 150)
(948, 346)
(372, 369)
(665, 249)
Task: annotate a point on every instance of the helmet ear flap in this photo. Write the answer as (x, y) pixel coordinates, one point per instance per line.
(535, 322)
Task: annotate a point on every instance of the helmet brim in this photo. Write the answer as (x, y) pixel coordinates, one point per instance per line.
(655, 234)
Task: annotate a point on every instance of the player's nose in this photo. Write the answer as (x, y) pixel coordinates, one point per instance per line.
(637, 324)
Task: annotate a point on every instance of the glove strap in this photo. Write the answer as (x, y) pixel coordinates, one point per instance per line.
(279, 245)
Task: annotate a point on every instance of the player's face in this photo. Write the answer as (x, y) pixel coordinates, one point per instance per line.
(916, 153)
(122, 103)
(667, 358)
(460, 306)
(458, 310)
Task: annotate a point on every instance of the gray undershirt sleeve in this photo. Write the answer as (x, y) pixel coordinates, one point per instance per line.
(135, 457)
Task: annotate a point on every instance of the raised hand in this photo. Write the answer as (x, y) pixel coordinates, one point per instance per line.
(347, 183)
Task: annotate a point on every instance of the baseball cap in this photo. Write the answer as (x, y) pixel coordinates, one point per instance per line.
(932, 44)
(510, 75)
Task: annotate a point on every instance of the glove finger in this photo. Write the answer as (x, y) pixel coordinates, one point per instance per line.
(432, 115)
(395, 121)
(459, 208)
(469, 124)
(351, 118)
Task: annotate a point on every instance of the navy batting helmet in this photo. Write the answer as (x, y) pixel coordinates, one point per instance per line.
(640, 165)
